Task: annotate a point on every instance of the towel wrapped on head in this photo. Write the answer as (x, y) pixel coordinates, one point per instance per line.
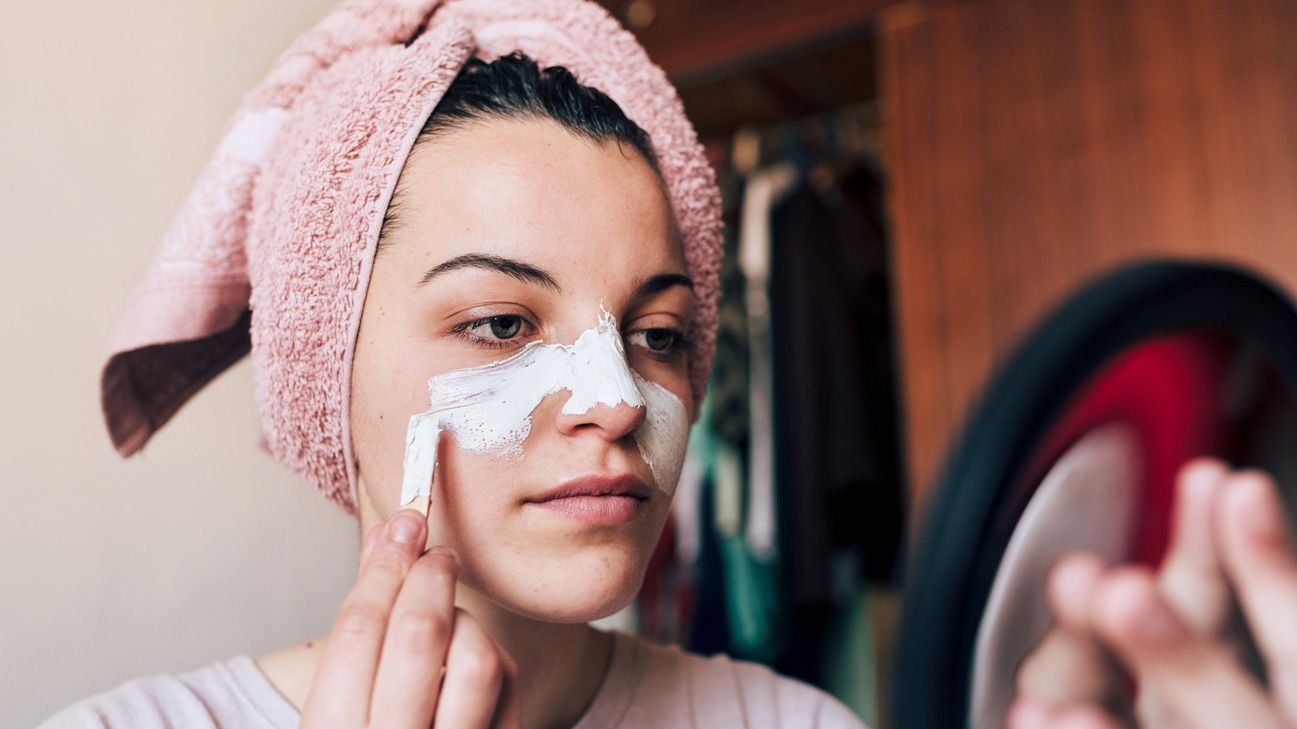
(271, 252)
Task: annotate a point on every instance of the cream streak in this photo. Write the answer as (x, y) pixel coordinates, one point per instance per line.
(489, 407)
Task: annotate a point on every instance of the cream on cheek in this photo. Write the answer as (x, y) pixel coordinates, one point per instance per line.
(489, 407)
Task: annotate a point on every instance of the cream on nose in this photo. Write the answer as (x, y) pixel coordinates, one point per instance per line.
(489, 407)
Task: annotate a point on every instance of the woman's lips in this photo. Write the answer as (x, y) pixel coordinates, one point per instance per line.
(603, 500)
(603, 510)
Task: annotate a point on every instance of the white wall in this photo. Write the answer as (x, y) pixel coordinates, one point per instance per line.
(203, 547)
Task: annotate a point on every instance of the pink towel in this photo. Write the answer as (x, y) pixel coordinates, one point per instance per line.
(272, 250)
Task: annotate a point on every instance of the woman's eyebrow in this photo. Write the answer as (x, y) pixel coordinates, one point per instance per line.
(524, 272)
(661, 282)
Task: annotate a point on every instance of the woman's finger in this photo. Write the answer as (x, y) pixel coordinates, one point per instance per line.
(1192, 578)
(1027, 712)
(1068, 667)
(414, 650)
(1259, 560)
(508, 713)
(1068, 589)
(340, 691)
(475, 677)
(373, 537)
(1198, 678)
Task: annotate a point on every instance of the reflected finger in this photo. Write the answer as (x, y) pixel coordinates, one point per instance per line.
(1258, 557)
(1068, 590)
(1192, 578)
(1083, 717)
(1200, 681)
(1068, 667)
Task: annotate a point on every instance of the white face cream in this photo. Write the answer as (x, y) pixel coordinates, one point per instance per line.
(488, 407)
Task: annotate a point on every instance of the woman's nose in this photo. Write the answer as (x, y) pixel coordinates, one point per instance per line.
(611, 422)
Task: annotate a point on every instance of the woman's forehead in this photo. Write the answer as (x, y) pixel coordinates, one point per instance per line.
(532, 191)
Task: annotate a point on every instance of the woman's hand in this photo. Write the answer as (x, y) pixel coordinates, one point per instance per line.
(1173, 630)
(401, 655)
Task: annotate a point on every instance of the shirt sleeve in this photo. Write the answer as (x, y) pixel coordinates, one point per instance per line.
(773, 701)
(154, 702)
(231, 694)
(833, 714)
(804, 705)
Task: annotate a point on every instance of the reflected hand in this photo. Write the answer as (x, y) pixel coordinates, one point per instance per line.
(1171, 629)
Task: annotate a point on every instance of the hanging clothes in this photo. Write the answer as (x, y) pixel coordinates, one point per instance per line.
(791, 500)
(840, 492)
(765, 189)
(834, 399)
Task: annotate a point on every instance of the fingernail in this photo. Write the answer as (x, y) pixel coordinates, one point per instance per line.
(406, 528)
(1263, 515)
(1199, 480)
(444, 551)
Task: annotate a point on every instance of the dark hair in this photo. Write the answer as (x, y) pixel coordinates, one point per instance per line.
(516, 87)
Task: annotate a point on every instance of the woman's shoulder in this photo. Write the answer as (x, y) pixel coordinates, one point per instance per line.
(719, 691)
(222, 694)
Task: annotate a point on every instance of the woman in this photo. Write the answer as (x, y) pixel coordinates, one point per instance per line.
(393, 213)
(409, 214)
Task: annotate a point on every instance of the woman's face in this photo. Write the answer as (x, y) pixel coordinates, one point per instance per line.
(513, 231)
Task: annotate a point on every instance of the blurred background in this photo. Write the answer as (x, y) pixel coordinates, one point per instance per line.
(203, 546)
(909, 186)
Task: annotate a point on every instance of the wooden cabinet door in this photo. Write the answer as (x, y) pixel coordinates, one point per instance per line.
(693, 39)
(1033, 144)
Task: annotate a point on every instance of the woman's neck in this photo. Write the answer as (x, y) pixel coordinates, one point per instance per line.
(560, 666)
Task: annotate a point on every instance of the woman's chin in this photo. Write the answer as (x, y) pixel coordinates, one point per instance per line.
(568, 593)
(583, 612)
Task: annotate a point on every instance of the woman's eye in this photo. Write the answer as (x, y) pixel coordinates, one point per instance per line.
(493, 331)
(658, 341)
(504, 327)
